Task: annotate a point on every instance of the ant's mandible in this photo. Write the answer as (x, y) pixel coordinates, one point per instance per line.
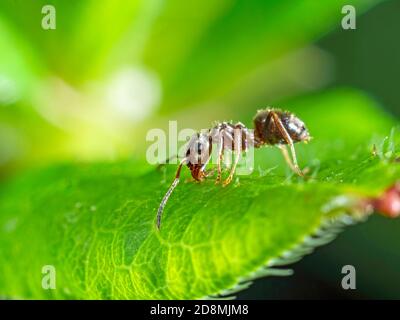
(271, 127)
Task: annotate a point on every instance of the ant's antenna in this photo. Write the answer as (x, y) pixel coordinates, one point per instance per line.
(168, 194)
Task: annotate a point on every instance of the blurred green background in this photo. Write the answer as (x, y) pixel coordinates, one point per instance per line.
(90, 90)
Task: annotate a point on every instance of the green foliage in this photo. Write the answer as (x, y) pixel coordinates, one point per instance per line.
(96, 222)
(168, 37)
(198, 51)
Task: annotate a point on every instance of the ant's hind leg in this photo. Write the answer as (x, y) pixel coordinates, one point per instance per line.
(292, 163)
(293, 166)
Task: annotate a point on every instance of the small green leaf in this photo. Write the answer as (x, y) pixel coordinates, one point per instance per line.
(95, 223)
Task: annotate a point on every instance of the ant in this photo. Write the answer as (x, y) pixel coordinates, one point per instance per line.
(271, 127)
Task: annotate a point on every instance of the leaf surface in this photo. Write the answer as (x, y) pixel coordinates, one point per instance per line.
(95, 223)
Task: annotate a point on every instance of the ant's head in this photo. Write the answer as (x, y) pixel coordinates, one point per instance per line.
(267, 127)
(198, 151)
(198, 155)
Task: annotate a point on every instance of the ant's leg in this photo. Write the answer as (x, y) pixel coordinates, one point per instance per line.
(209, 173)
(287, 157)
(233, 169)
(295, 164)
(220, 156)
(168, 194)
(289, 141)
(237, 150)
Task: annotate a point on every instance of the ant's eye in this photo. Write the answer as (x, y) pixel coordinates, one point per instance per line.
(199, 147)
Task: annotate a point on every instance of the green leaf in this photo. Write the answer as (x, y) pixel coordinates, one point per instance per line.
(95, 223)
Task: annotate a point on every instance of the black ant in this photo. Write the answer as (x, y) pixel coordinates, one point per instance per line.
(271, 127)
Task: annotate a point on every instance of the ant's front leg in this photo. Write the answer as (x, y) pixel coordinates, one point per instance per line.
(209, 173)
(292, 164)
